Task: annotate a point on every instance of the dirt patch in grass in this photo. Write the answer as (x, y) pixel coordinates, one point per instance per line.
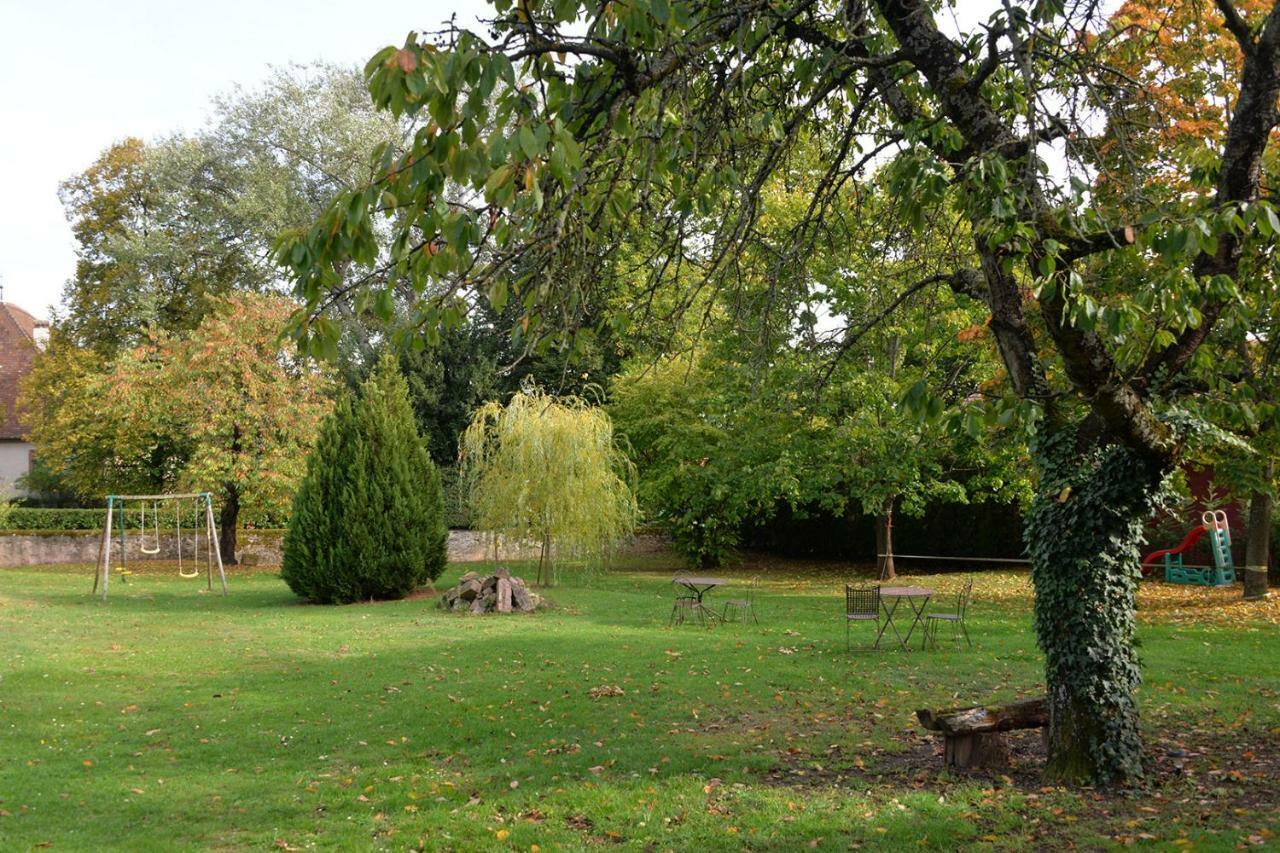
(1201, 783)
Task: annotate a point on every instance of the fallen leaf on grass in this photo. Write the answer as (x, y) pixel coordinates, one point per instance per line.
(605, 690)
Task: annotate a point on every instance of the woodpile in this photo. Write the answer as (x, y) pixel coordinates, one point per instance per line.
(499, 592)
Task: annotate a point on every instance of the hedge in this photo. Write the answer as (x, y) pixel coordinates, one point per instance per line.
(27, 518)
(32, 518)
(47, 519)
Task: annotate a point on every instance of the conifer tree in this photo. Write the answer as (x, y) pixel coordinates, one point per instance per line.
(368, 522)
(311, 563)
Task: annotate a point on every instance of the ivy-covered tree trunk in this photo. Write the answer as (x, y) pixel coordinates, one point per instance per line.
(1083, 533)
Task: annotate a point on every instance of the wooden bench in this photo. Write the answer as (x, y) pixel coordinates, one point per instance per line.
(972, 736)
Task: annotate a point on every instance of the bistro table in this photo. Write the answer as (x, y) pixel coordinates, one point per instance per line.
(912, 594)
(700, 586)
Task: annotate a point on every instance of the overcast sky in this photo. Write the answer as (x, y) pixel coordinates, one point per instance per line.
(77, 75)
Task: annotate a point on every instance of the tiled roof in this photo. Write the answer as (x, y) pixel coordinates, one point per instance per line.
(17, 350)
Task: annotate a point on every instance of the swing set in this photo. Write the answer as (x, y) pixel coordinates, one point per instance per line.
(116, 528)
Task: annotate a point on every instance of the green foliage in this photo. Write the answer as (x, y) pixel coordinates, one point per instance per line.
(25, 518)
(722, 444)
(456, 512)
(7, 508)
(45, 487)
(368, 520)
(228, 408)
(166, 229)
(452, 372)
(106, 204)
(547, 469)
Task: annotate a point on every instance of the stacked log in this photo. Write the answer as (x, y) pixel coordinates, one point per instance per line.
(499, 592)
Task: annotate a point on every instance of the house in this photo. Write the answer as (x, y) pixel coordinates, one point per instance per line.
(20, 336)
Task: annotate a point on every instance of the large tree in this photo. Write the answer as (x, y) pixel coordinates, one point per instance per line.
(166, 229)
(572, 127)
(108, 203)
(227, 408)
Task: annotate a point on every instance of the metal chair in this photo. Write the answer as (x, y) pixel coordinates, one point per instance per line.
(685, 605)
(956, 619)
(861, 604)
(743, 606)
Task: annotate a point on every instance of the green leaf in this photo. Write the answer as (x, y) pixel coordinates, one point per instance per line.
(498, 179)
(498, 294)
(528, 143)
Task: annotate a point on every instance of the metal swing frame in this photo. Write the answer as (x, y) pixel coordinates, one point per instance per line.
(116, 509)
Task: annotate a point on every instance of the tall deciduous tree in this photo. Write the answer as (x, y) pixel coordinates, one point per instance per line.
(168, 228)
(228, 408)
(546, 469)
(580, 125)
(249, 406)
(107, 204)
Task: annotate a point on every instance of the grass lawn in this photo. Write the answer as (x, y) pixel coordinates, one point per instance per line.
(167, 718)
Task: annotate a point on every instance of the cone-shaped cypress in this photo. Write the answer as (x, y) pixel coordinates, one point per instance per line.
(368, 521)
(311, 564)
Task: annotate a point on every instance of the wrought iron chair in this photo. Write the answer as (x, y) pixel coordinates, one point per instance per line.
(685, 606)
(933, 620)
(742, 607)
(861, 604)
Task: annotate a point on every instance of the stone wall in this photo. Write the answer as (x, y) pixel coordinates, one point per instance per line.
(17, 548)
(255, 547)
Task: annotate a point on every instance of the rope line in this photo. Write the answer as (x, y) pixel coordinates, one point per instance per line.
(1022, 561)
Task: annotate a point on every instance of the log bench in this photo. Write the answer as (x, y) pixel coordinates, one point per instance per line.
(972, 736)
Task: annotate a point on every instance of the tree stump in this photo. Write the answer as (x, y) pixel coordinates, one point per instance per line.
(975, 751)
(972, 736)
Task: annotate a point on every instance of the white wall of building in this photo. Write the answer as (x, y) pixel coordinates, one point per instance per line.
(15, 461)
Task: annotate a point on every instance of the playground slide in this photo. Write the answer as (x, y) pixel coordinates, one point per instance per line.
(1149, 562)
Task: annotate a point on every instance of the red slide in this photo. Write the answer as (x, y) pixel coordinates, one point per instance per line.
(1149, 562)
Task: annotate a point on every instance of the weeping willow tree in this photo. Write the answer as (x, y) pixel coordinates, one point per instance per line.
(546, 469)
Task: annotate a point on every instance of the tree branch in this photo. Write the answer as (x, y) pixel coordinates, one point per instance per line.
(1092, 244)
(1237, 25)
(1254, 118)
(992, 60)
(966, 281)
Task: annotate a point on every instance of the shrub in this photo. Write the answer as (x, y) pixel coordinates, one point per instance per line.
(46, 519)
(28, 518)
(368, 519)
